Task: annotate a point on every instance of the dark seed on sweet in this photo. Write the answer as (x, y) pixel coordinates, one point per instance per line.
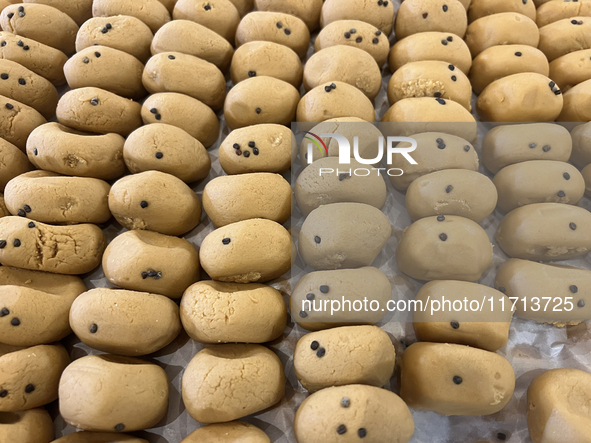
(375, 41)
(144, 204)
(552, 84)
(255, 151)
(287, 31)
(457, 379)
(10, 15)
(533, 145)
(324, 289)
(359, 39)
(21, 213)
(378, 32)
(518, 54)
(345, 402)
(320, 352)
(120, 427)
(385, 3)
(341, 429)
(344, 176)
(279, 25)
(437, 94)
(502, 289)
(454, 324)
(27, 208)
(15, 322)
(467, 148)
(572, 226)
(310, 296)
(3, 44)
(171, 57)
(361, 432)
(4, 312)
(566, 176)
(347, 35)
(29, 388)
(574, 289)
(453, 78)
(93, 328)
(236, 146)
(439, 141)
(546, 148)
(9, 106)
(440, 101)
(317, 239)
(425, 14)
(94, 101)
(159, 155)
(314, 345)
(380, 2)
(109, 26)
(441, 218)
(20, 43)
(238, 152)
(246, 154)
(21, 9)
(444, 8)
(444, 42)
(207, 7)
(35, 151)
(501, 436)
(16, 243)
(448, 189)
(443, 237)
(144, 275)
(252, 74)
(333, 86)
(258, 110)
(561, 194)
(327, 88)
(104, 30)
(557, 92)
(4, 76)
(353, 31)
(154, 111)
(303, 314)
(581, 304)
(85, 60)
(574, 22)
(22, 81)
(226, 241)
(97, 54)
(3, 393)
(2, 244)
(157, 116)
(450, 39)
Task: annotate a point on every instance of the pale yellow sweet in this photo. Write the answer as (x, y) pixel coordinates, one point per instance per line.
(227, 433)
(379, 15)
(415, 16)
(32, 426)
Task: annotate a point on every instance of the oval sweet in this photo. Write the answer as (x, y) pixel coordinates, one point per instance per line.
(125, 33)
(483, 8)
(140, 390)
(256, 250)
(185, 74)
(460, 192)
(571, 69)
(446, 247)
(545, 231)
(343, 235)
(308, 11)
(565, 36)
(320, 184)
(332, 100)
(32, 426)
(124, 322)
(99, 437)
(266, 59)
(151, 262)
(79, 11)
(227, 433)
(151, 12)
(166, 148)
(106, 68)
(346, 64)
(415, 16)
(184, 112)
(503, 60)
(261, 100)
(155, 201)
(257, 382)
(576, 101)
(344, 356)
(366, 37)
(277, 27)
(13, 162)
(96, 110)
(214, 312)
(375, 413)
(379, 15)
(551, 12)
(221, 16)
(17, 121)
(441, 46)
(275, 149)
(538, 181)
(72, 249)
(194, 39)
(51, 198)
(468, 381)
(29, 378)
(581, 145)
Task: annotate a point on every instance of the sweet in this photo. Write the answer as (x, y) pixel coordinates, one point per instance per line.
(551, 12)
(379, 15)
(581, 145)
(79, 10)
(13, 162)
(415, 16)
(565, 36)
(32, 426)
(221, 16)
(308, 11)
(227, 433)
(483, 8)
(575, 107)
(571, 69)
(151, 12)
(17, 121)
(99, 437)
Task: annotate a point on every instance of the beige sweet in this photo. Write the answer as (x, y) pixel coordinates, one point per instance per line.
(509, 144)
(276, 27)
(565, 36)
(576, 101)
(155, 201)
(308, 12)
(32, 426)
(184, 112)
(138, 389)
(227, 433)
(486, 327)
(99, 437)
(344, 356)
(546, 293)
(57, 148)
(194, 39)
(379, 15)
(332, 100)
(214, 312)
(243, 6)
(524, 97)
(501, 61)
(545, 231)
(460, 192)
(327, 181)
(505, 28)
(151, 262)
(352, 411)
(581, 145)
(221, 16)
(261, 100)
(23, 85)
(13, 162)
(467, 381)
(415, 16)
(483, 8)
(234, 198)
(346, 64)
(571, 69)
(33, 21)
(17, 121)
(124, 322)
(125, 33)
(538, 181)
(366, 37)
(553, 11)
(96, 110)
(435, 151)
(151, 12)
(557, 406)
(275, 145)
(256, 250)
(29, 378)
(50, 198)
(266, 59)
(106, 68)
(79, 11)
(227, 382)
(73, 249)
(55, 284)
(43, 60)
(343, 235)
(316, 292)
(441, 46)
(166, 148)
(444, 248)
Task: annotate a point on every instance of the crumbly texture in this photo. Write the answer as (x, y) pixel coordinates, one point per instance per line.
(379, 15)
(563, 37)
(483, 8)
(415, 16)
(73, 249)
(17, 121)
(99, 437)
(221, 17)
(455, 248)
(151, 12)
(571, 69)
(151, 262)
(576, 101)
(102, 393)
(215, 312)
(13, 162)
(228, 382)
(79, 10)
(31, 376)
(228, 433)
(166, 148)
(32, 426)
(351, 235)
